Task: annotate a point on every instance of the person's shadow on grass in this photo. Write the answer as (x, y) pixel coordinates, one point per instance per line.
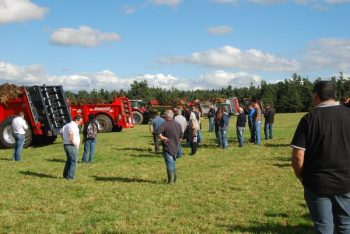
(36, 174)
(123, 179)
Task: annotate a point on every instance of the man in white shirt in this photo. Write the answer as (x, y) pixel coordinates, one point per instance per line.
(19, 126)
(71, 141)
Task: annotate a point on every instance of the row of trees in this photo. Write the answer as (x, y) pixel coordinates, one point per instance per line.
(291, 95)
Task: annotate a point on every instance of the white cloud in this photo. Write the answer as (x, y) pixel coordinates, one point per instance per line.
(36, 75)
(337, 1)
(220, 78)
(129, 10)
(165, 81)
(231, 57)
(20, 11)
(171, 3)
(220, 30)
(328, 54)
(83, 36)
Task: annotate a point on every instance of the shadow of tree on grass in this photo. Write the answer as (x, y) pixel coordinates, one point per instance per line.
(36, 174)
(276, 145)
(56, 160)
(134, 149)
(270, 228)
(123, 179)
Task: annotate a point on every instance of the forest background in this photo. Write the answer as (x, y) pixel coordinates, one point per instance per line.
(288, 96)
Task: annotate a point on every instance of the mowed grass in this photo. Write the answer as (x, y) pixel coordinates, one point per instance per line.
(239, 190)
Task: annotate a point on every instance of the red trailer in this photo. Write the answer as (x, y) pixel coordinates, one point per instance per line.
(45, 111)
(112, 116)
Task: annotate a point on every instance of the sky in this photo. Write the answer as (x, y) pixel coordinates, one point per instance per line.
(184, 44)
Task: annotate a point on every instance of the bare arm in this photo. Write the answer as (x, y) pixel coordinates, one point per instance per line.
(71, 136)
(298, 161)
(163, 138)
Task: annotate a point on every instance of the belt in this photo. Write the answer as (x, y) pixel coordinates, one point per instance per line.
(69, 144)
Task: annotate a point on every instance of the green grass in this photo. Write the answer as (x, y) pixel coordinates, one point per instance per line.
(239, 190)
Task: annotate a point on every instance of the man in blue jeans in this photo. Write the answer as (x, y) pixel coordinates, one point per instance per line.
(19, 126)
(89, 138)
(211, 116)
(257, 123)
(170, 133)
(321, 160)
(71, 141)
(269, 115)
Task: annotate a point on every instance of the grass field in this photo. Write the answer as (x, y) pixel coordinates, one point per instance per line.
(238, 190)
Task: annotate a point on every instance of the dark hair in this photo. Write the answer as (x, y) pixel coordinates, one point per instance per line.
(325, 90)
(91, 117)
(77, 117)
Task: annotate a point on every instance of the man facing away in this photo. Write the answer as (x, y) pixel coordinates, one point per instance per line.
(153, 126)
(19, 126)
(179, 118)
(321, 160)
(257, 123)
(211, 116)
(251, 112)
(269, 119)
(71, 141)
(240, 125)
(89, 139)
(170, 133)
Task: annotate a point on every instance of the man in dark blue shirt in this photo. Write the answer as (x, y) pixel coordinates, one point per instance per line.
(154, 125)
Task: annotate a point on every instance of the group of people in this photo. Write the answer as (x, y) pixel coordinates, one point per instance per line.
(70, 134)
(219, 121)
(320, 148)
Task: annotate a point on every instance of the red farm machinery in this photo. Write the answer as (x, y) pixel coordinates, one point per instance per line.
(110, 116)
(45, 110)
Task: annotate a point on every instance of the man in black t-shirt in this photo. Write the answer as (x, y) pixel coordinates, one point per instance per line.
(321, 160)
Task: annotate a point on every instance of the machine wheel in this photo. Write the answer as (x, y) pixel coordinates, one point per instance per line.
(117, 128)
(44, 140)
(6, 134)
(104, 123)
(138, 117)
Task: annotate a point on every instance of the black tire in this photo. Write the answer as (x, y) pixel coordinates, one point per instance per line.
(117, 128)
(6, 134)
(104, 123)
(43, 140)
(137, 117)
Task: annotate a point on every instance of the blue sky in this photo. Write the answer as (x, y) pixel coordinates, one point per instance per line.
(187, 44)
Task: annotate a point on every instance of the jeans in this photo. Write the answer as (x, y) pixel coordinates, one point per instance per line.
(251, 129)
(89, 149)
(218, 135)
(268, 131)
(169, 161)
(223, 134)
(327, 211)
(19, 142)
(71, 163)
(240, 137)
(200, 136)
(179, 151)
(156, 141)
(257, 130)
(211, 124)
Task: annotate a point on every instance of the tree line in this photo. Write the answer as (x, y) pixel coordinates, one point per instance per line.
(291, 95)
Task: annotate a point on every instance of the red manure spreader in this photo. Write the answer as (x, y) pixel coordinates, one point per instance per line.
(110, 116)
(45, 110)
